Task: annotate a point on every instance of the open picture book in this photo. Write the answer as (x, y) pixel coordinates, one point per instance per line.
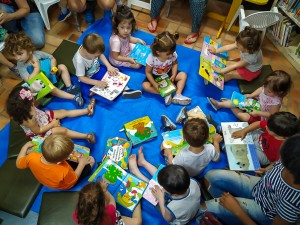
(118, 150)
(140, 130)
(207, 60)
(165, 86)
(126, 188)
(78, 152)
(115, 86)
(241, 154)
(247, 104)
(140, 53)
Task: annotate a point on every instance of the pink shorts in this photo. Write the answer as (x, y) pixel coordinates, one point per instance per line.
(247, 74)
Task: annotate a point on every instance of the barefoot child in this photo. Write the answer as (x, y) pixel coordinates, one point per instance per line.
(20, 106)
(179, 200)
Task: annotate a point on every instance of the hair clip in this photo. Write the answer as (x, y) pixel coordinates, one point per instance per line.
(26, 94)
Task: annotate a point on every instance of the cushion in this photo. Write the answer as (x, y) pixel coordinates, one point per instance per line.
(65, 53)
(247, 87)
(18, 189)
(57, 208)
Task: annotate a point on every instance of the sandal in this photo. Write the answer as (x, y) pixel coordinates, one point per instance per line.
(91, 105)
(78, 99)
(91, 138)
(213, 103)
(151, 28)
(191, 39)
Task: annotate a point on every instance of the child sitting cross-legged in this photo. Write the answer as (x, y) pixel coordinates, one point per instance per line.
(31, 62)
(51, 167)
(179, 200)
(272, 134)
(195, 157)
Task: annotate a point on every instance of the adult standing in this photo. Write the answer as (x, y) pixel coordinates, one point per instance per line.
(197, 10)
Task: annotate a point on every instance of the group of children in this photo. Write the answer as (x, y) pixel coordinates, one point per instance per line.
(179, 200)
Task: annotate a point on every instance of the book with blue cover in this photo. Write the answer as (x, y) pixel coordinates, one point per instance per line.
(247, 104)
(241, 154)
(126, 188)
(140, 53)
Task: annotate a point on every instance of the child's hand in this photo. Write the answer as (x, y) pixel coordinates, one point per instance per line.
(131, 60)
(35, 63)
(261, 171)
(229, 202)
(255, 113)
(239, 134)
(84, 160)
(172, 78)
(216, 69)
(212, 50)
(157, 192)
(247, 95)
(101, 84)
(113, 71)
(217, 138)
(140, 41)
(156, 86)
(29, 145)
(104, 185)
(55, 123)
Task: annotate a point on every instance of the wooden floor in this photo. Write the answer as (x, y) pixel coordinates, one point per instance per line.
(179, 21)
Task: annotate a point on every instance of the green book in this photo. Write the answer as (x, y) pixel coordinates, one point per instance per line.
(166, 87)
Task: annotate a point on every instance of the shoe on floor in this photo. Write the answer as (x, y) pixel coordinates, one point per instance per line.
(73, 89)
(181, 100)
(63, 16)
(167, 124)
(130, 93)
(182, 116)
(168, 99)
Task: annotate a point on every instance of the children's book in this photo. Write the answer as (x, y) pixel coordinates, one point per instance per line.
(118, 150)
(115, 86)
(140, 130)
(148, 194)
(126, 188)
(196, 113)
(78, 152)
(165, 86)
(247, 104)
(39, 85)
(207, 60)
(174, 140)
(241, 154)
(140, 53)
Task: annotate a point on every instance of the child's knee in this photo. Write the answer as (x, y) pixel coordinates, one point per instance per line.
(92, 161)
(62, 67)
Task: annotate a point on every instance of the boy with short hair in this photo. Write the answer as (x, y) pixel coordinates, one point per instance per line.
(195, 157)
(272, 134)
(50, 167)
(182, 200)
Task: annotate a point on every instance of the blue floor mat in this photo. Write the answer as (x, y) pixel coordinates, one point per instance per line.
(109, 116)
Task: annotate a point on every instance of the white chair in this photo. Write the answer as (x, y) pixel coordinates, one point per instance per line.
(258, 20)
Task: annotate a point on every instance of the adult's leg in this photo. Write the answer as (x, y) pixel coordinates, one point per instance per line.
(33, 26)
(11, 26)
(263, 160)
(136, 218)
(106, 4)
(237, 184)
(5, 62)
(156, 7)
(76, 5)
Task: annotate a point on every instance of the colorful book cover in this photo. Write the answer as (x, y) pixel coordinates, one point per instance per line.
(207, 60)
(126, 188)
(140, 130)
(166, 87)
(78, 152)
(241, 154)
(248, 104)
(118, 150)
(196, 112)
(140, 53)
(148, 194)
(174, 140)
(39, 85)
(115, 86)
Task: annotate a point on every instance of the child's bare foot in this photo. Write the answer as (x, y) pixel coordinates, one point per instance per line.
(91, 138)
(90, 107)
(141, 158)
(133, 167)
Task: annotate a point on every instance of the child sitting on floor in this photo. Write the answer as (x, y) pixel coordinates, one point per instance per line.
(195, 157)
(20, 107)
(50, 167)
(249, 67)
(121, 42)
(163, 60)
(97, 206)
(275, 87)
(268, 141)
(179, 200)
(30, 63)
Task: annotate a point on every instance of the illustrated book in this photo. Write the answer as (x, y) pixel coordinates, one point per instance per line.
(247, 104)
(118, 150)
(140, 53)
(140, 130)
(148, 194)
(78, 152)
(126, 188)
(196, 112)
(115, 86)
(241, 154)
(174, 140)
(39, 85)
(165, 86)
(207, 60)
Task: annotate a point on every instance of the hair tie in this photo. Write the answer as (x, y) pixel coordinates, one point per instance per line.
(26, 94)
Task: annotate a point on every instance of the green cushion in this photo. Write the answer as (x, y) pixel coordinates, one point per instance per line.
(47, 99)
(18, 189)
(65, 53)
(57, 208)
(247, 87)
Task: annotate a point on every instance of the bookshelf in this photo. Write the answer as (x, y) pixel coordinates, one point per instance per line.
(288, 52)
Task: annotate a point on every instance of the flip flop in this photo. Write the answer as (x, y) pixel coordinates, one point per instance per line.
(188, 40)
(212, 104)
(152, 29)
(92, 103)
(91, 138)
